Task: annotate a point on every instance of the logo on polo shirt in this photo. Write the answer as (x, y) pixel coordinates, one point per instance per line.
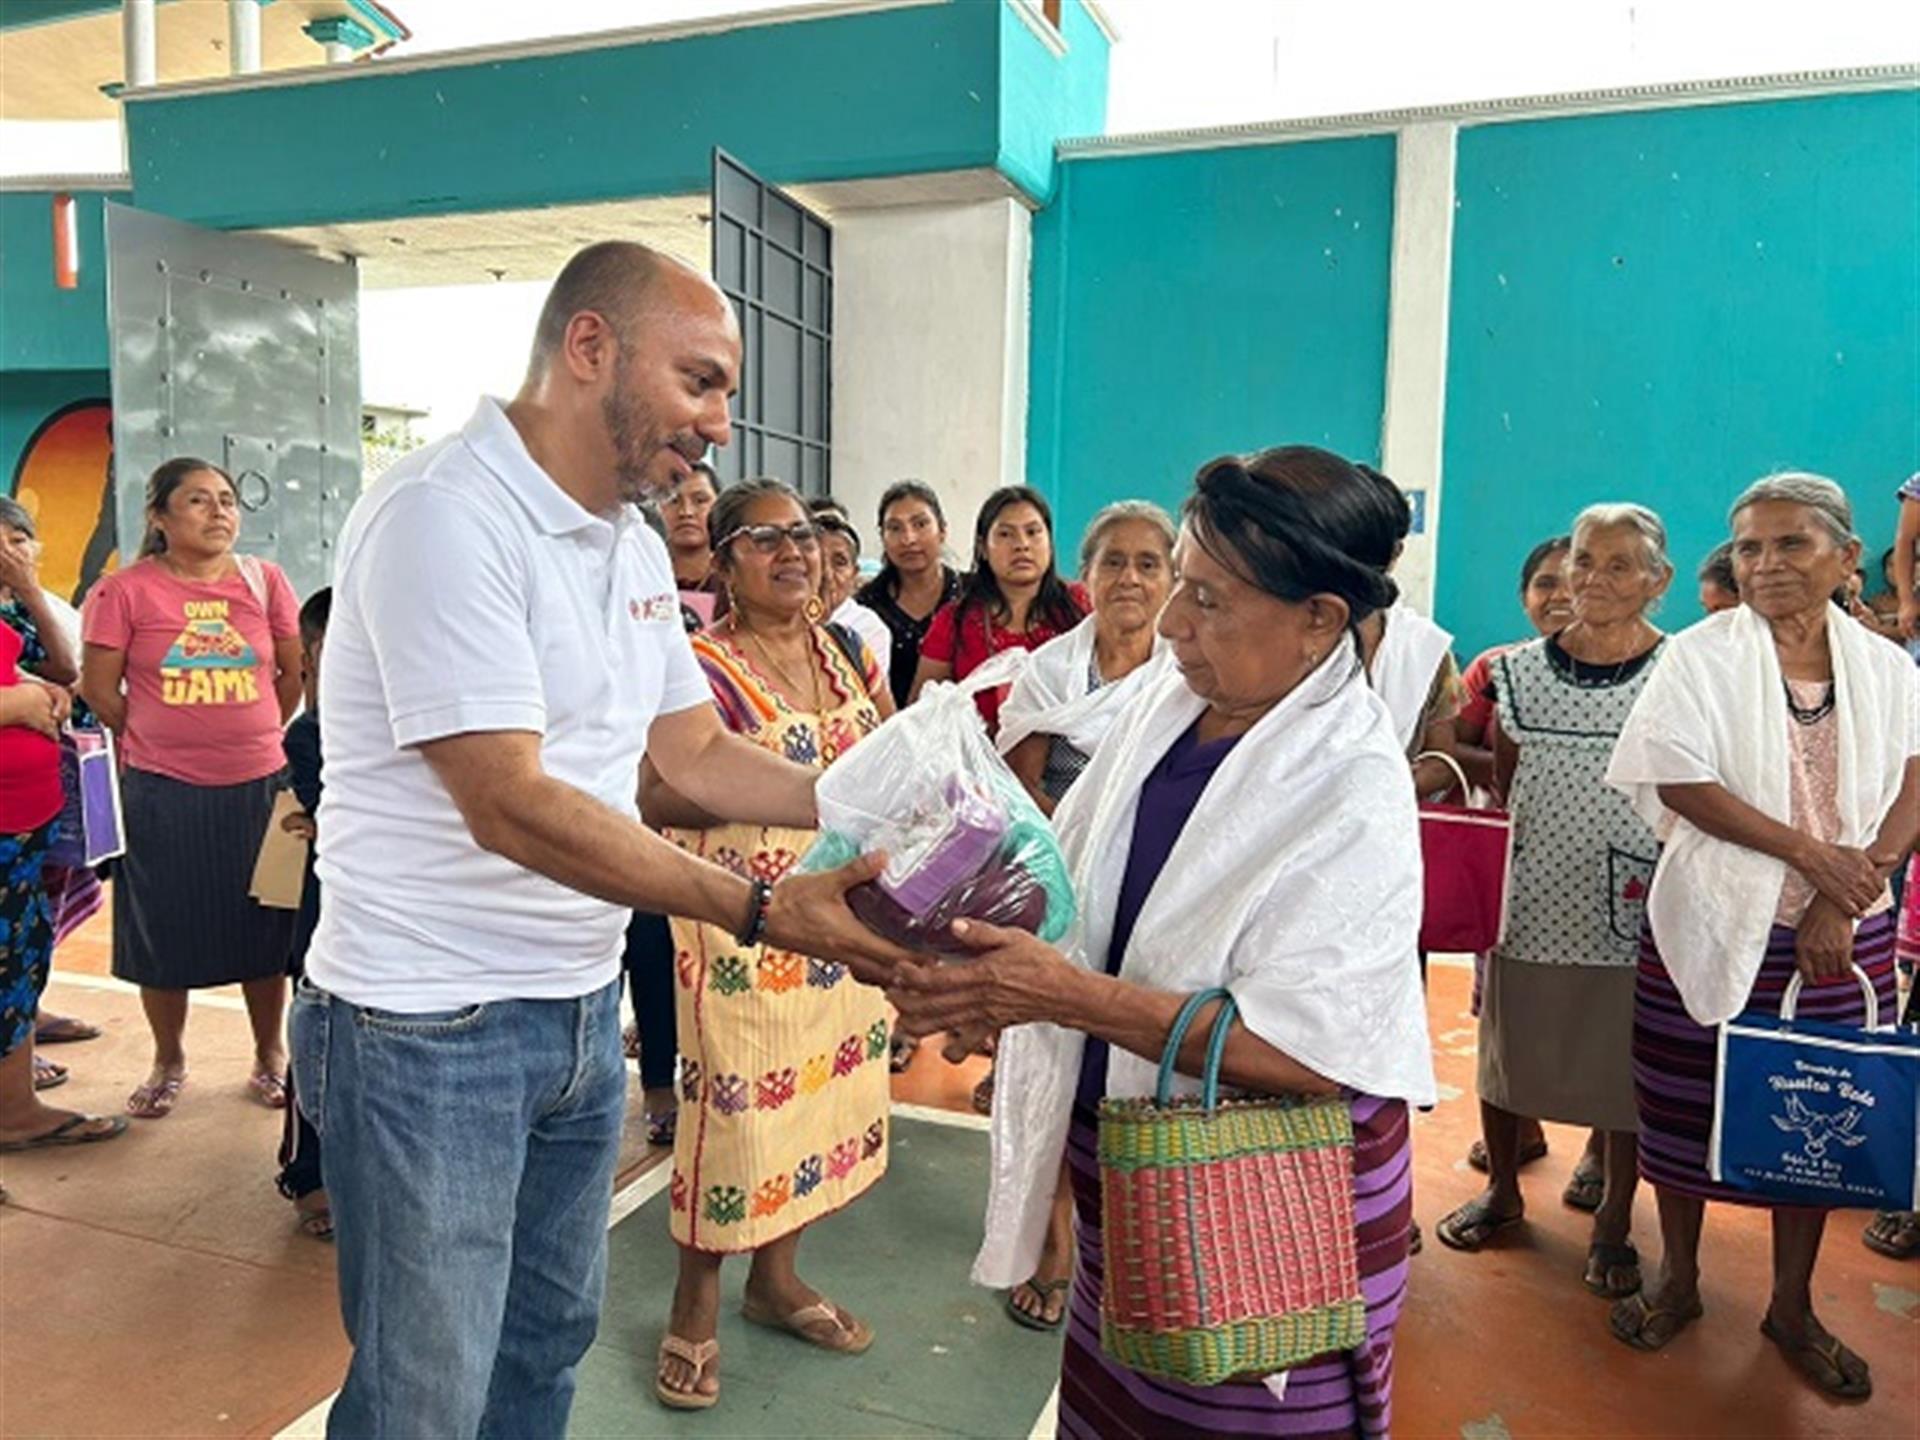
(655, 609)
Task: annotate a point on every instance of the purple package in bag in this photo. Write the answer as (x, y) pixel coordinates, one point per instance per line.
(943, 848)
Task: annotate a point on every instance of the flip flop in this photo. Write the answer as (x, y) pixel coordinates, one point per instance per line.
(74, 1130)
(1893, 1233)
(269, 1089)
(662, 1126)
(156, 1102)
(900, 1052)
(848, 1336)
(1604, 1260)
(1586, 1187)
(699, 1356)
(63, 1030)
(316, 1224)
(1043, 1289)
(48, 1074)
(1632, 1317)
(983, 1096)
(1477, 1154)
(1818, 1358)
(1470, 1226)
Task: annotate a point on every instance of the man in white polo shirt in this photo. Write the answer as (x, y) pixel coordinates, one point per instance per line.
(505, 644)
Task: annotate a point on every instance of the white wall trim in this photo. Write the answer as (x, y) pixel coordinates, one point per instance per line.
(1788, 86)
(1413, 422)
(1102, 21)
(13, 184)
(1015, 330)
(523, 49)
(1035, 19)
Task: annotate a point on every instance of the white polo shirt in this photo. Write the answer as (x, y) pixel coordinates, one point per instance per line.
(472, 593)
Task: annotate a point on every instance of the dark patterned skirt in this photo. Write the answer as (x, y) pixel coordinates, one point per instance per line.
(26, 932)
(182, 917)
(1344, 1394)
(1674, 1059)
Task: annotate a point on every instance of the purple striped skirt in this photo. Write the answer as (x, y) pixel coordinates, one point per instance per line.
(1674, 1059)
(1344, 1394)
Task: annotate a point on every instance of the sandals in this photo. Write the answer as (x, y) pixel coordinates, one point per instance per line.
(74, 1130)
(1477, 1154)
(48, 1074)
(1893, 1233)
(983, 1096)
(1043, 1290)
(269, 1089)
(156, 1102)
(1473, 1224)
(1823, 1359)
(63, 1030)
(699, 1356)
(1632, 1321)
(1613, 1271)
(316, 1224)
(1586, 1187)
(630, 1041)
(662, 1126)
(900, 1052)
(846, 1335)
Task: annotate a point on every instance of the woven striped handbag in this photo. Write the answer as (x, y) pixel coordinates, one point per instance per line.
(1229, 1232)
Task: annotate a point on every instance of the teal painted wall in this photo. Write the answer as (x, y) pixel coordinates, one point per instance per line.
(28, 398)
(1045, 97)
(1190, 304)
(1662, 307)
(43, 327)
(849, 97)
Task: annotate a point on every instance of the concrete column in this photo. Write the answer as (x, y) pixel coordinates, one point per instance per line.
(243, 36)
(929, 355)
(1413, 427)
(136, 42)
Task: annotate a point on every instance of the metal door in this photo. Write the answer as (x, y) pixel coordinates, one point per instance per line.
(246, 352)
(774, 259)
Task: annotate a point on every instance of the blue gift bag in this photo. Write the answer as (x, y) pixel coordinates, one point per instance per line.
(1812, 1113)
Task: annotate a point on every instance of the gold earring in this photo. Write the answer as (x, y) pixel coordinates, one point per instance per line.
(816, 607)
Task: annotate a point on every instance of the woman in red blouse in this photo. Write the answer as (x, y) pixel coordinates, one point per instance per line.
(1012, 599)
(31, 716)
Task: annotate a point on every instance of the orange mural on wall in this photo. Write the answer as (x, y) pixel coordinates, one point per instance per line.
(65, 480)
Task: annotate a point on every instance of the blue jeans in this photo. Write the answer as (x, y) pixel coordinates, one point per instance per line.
(469, 1160)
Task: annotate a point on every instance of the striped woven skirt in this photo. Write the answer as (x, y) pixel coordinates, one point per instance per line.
(182, 917)
(1674, 1059)
(1344, 1394)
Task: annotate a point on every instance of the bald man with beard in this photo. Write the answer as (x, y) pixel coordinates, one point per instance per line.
(505, 646)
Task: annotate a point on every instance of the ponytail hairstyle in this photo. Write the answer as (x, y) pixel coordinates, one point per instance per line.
(171, 475)
(1054, 602)
(1296, 521)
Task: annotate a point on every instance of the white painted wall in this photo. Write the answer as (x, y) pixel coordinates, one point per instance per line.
(930, 354)
(1413, 426)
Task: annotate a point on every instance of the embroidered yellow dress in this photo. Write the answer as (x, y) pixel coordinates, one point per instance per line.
(784, 1080)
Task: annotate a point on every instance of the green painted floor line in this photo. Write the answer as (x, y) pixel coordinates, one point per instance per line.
(945, 1361)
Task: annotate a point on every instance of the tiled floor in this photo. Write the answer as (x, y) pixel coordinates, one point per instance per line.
(154, 1285)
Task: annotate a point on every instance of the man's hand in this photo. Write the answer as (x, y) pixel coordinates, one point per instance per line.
(809, 913)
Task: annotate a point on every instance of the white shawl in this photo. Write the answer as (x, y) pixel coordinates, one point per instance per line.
(1051, 696)
(1296, 883)
(1713, 711)
(1410, 652)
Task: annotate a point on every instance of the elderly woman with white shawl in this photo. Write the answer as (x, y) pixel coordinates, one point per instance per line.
(1776, 752)
(1247, 823)
(1053, 719)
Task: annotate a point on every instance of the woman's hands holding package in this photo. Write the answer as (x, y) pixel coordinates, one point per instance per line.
(1012, 979)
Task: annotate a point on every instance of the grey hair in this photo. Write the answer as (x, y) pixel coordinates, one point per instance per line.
(1801, 487)
(1120, 513)
(731, 507)
(16, 516)
(1639, 519)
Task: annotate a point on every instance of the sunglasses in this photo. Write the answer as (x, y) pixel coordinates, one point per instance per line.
(767, 539)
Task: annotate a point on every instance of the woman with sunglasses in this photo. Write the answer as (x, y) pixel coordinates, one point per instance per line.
(784, 1093)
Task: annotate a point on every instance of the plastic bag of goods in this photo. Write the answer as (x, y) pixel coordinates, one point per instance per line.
(962, 837)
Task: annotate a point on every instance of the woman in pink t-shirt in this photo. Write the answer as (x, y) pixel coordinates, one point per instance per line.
(192, 656)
